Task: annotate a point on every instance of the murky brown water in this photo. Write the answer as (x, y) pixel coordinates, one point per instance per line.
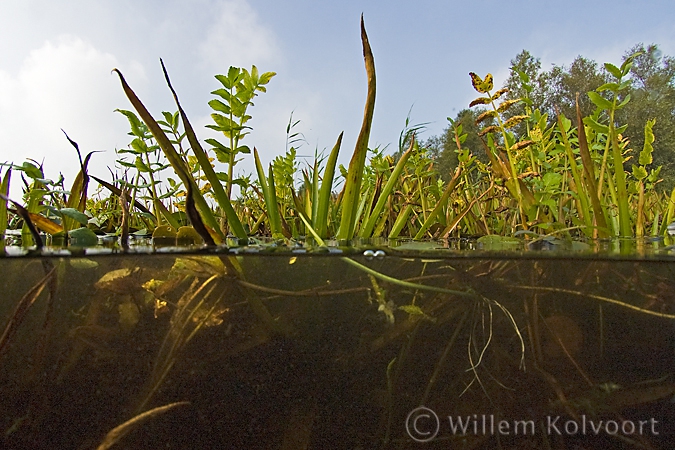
(317, 352)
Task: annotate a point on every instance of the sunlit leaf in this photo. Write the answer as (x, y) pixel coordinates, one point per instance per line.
(646, 153)
(639, 172)
(481, 85)
(499, 93)
(490, 129)
(506, 104)
(486, 115)
(513, 121)
(615, 71)
(522, 144)
(480, 101)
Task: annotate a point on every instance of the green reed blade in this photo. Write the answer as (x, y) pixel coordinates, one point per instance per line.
(326, 190)
(357, 164)
(174, 158)
(367, 229)
(270, 196)
(576, 175)
(218, 190)
(117, 191)
(315, 190)
(620, 182)
(400, 221)
(589, 171)
(441, 203)
(78, 192)
(4, 190)
(670, 211)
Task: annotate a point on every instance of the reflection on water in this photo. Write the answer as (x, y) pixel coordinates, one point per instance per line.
(294, 351)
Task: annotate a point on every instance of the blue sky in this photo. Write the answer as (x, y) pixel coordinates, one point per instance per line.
(56, 57)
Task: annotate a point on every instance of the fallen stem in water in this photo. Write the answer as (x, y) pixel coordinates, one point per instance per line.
(596, 297)
(120, 431)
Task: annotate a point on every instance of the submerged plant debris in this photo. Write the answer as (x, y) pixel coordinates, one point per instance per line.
(337, 350)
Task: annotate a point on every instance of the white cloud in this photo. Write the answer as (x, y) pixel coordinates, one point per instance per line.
(237, 38)
(64, 84)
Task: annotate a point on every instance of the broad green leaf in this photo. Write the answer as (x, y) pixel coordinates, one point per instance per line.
(608, 87)
(219, 106)
(524, 77)
(615, 71)
(639, 172)
(217, 145)
(82, 237)
(75, 215)
(134, 122)
(552, 179)
(32, 170)
(139, 146)
(266, 77)
(224, 93)
(625, 84)
(624, 102)
(654, 175)
(599, 100)
(141, 166)
(225, 123)
(596, 126)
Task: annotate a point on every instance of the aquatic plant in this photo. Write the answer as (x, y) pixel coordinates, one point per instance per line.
(545, 175)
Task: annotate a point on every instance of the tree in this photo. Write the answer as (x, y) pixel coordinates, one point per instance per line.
(652, 97)
(443, 148)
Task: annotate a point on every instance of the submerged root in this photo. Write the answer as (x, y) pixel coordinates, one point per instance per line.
(473, 349)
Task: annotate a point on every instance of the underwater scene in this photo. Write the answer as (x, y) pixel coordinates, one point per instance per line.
(376, 349)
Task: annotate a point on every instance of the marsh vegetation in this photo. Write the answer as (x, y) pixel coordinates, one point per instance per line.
(273, 328)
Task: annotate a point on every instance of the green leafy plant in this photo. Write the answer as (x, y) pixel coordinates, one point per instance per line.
(240, 87)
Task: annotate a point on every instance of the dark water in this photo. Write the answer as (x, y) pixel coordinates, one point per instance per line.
(336, 352)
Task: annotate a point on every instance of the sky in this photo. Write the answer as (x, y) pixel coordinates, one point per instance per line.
(56, 58)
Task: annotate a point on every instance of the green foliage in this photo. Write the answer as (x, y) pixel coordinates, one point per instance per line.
(240, 87)
(512, 164)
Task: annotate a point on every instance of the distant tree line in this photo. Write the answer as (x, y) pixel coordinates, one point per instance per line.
(553, 92)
